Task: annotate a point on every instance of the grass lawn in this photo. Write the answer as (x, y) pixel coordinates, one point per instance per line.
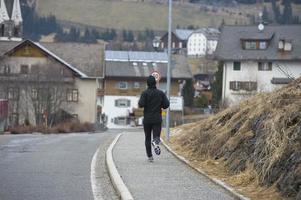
(131, 15)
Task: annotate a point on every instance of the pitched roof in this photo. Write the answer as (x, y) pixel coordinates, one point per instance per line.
(229, 45)
(87, 58)
(210, 33)
(84, 59)
(5, 46)
(183, 34)
(129, 69)
(136, 56)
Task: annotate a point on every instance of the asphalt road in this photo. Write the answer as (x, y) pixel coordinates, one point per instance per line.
(54, 167)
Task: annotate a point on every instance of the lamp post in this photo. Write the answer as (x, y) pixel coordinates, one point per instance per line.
(156, 43)
(168, 66)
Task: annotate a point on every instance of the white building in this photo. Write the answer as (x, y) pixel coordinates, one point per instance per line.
(202, 42)
(10, 20)
(125, 79)
(258, 59)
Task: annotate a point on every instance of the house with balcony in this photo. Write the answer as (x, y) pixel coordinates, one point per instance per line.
(258, 59)
(51, 81)
(125, 79)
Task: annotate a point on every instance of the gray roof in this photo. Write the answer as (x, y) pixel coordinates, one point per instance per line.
(229, 45)
(210, 33)
(179, 68)
(87, 58)
(136, 56)
(183, 34)
(5, 46)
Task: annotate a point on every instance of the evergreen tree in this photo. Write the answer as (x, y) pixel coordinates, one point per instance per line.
(276, 11)
(188, 93)
(287, 17)
(113, 34)
(265, 15)
(217, 86)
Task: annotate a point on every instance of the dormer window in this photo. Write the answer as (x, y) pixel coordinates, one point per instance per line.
(288, 46)
(281, 44)
(250, 45)
(285, 45)
(255, 44)
(263, 45)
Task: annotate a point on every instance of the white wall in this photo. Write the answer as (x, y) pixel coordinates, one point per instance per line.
(249, 72)
(197, 45)
(85, 108)
(112, 111)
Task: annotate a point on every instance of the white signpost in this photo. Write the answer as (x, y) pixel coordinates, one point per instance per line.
(176, 103)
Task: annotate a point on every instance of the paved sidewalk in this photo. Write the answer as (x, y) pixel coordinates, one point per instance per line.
(166, 178)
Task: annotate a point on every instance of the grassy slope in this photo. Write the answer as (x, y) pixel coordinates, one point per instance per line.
(257, 143)
(130, 15)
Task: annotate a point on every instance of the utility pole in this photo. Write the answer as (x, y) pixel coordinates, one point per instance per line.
(168, 66)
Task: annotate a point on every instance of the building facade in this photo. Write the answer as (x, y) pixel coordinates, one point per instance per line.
(258, 59)
(179, 39)
(51, 81)
(202, 42)
(125, 79)
(10, 20)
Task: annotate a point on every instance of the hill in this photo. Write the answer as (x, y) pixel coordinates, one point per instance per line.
(254, 146)
(136, 15)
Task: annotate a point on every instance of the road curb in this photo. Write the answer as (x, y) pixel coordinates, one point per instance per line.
(116, 179)
(214, 180)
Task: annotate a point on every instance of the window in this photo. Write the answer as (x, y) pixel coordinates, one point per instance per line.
(236, 66)
(72, 95)
(34, 94)
(243, 85)
(13, 93)
(281, 44)
(45, 94)
(122, 103)
(2, 30)
(288, 46)
(136, 85)
(249, 86)
(235, 85)
(123, 85)
(120, 120)
(24, 69)
(6, 69)
(262, 45)
(250, 45)
(14, 119)
(267, 66)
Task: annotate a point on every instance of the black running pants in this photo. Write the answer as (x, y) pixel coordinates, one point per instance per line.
(150, 128)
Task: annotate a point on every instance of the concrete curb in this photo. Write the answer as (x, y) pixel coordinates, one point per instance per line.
(214, 180)
(116, 179)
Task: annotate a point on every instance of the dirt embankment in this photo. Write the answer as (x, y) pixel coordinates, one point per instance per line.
(257, 144)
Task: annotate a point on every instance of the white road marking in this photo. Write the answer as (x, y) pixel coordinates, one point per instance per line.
(95, 187)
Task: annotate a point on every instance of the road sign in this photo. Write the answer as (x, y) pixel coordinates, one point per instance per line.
(157, 75)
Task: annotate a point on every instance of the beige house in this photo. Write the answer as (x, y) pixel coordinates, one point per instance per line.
(52, 81)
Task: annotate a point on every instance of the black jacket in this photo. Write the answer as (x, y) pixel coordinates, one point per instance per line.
(152, 100)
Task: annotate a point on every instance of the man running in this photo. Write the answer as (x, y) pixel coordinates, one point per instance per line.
(152, 100)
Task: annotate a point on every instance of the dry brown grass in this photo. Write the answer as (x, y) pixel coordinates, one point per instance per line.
(65, 127)
(255, 146)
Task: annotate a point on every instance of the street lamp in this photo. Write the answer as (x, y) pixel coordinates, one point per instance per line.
(156, 43)
(168, 66)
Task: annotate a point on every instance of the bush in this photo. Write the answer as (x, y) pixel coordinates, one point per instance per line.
(66, 127)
